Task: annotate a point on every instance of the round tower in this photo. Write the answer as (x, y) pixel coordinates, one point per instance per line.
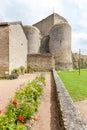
(60, 45)
(34, 39)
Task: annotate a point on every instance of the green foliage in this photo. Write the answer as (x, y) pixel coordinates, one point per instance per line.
(20, 126)
(24, 105)
(11, 76)
(22, 69)
(2, 76)
(83, 61)
(76, 84)
(15, 71)
(29, 69)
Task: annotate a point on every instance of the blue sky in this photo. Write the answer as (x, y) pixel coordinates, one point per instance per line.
(32, 11)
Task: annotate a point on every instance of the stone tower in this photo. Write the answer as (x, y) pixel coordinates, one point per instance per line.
(56, 40)
(60, 45)
(34, 39)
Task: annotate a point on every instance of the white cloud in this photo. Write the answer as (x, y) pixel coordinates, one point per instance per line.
(79, 41)
(80, 35)
(79, 3)
(29, 11)
(32, 11)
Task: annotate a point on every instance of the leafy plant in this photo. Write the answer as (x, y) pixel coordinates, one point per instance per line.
(22, 69)
(15, 71)
(29, 69)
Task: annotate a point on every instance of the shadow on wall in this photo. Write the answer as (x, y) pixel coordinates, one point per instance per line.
(55, 118)
(45, 45)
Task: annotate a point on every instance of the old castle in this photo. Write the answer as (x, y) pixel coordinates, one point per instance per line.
(45, 45)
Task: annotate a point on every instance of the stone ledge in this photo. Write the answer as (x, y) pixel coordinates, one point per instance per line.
(70, 118)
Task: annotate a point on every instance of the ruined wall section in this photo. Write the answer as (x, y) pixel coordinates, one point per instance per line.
(17, 47)
(4, 49)
(41, 62)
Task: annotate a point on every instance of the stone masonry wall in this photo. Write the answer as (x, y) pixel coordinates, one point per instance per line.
(59, 19)
(60, 45)
(4, 49)
(45, 25)
(70, 118)
(41, 62)
(34, 39)
(17, 47)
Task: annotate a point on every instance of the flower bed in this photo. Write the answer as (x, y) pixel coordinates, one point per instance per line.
(23, 106)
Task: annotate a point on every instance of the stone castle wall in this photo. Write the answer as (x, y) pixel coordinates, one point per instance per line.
(51, 36)
(56, 40)
(4, 49)
(17, 47)
(45, 25)
(41, 62)
(60, 45)
(34, 39)
(59, 19)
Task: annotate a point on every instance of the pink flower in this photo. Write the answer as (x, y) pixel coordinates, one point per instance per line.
(21, 118)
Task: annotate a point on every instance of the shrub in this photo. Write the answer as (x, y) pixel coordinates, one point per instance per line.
(15, 71)
(2, 76)
(13, 76)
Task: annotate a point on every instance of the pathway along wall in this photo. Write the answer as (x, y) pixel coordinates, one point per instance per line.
(60, 45)
(70, 118)
(34, 39)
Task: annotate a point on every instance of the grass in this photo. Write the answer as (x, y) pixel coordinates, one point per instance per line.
(75, 84)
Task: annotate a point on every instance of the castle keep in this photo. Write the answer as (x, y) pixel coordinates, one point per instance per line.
(45, 45)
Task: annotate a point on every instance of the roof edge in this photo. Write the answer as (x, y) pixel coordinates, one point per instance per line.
(10, 23)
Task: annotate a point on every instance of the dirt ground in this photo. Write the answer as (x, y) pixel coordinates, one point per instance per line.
(48, 111)
(8, 88)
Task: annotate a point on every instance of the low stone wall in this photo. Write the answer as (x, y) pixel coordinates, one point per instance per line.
(70, 118)
(41, 62)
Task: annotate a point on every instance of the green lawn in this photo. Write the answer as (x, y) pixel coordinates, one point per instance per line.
(75, 84)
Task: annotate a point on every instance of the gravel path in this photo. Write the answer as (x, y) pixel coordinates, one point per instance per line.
(47, 112)
(82, 107)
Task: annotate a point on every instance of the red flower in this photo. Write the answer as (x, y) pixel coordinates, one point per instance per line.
(0, 111)
(21, 118)
(15, 103)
